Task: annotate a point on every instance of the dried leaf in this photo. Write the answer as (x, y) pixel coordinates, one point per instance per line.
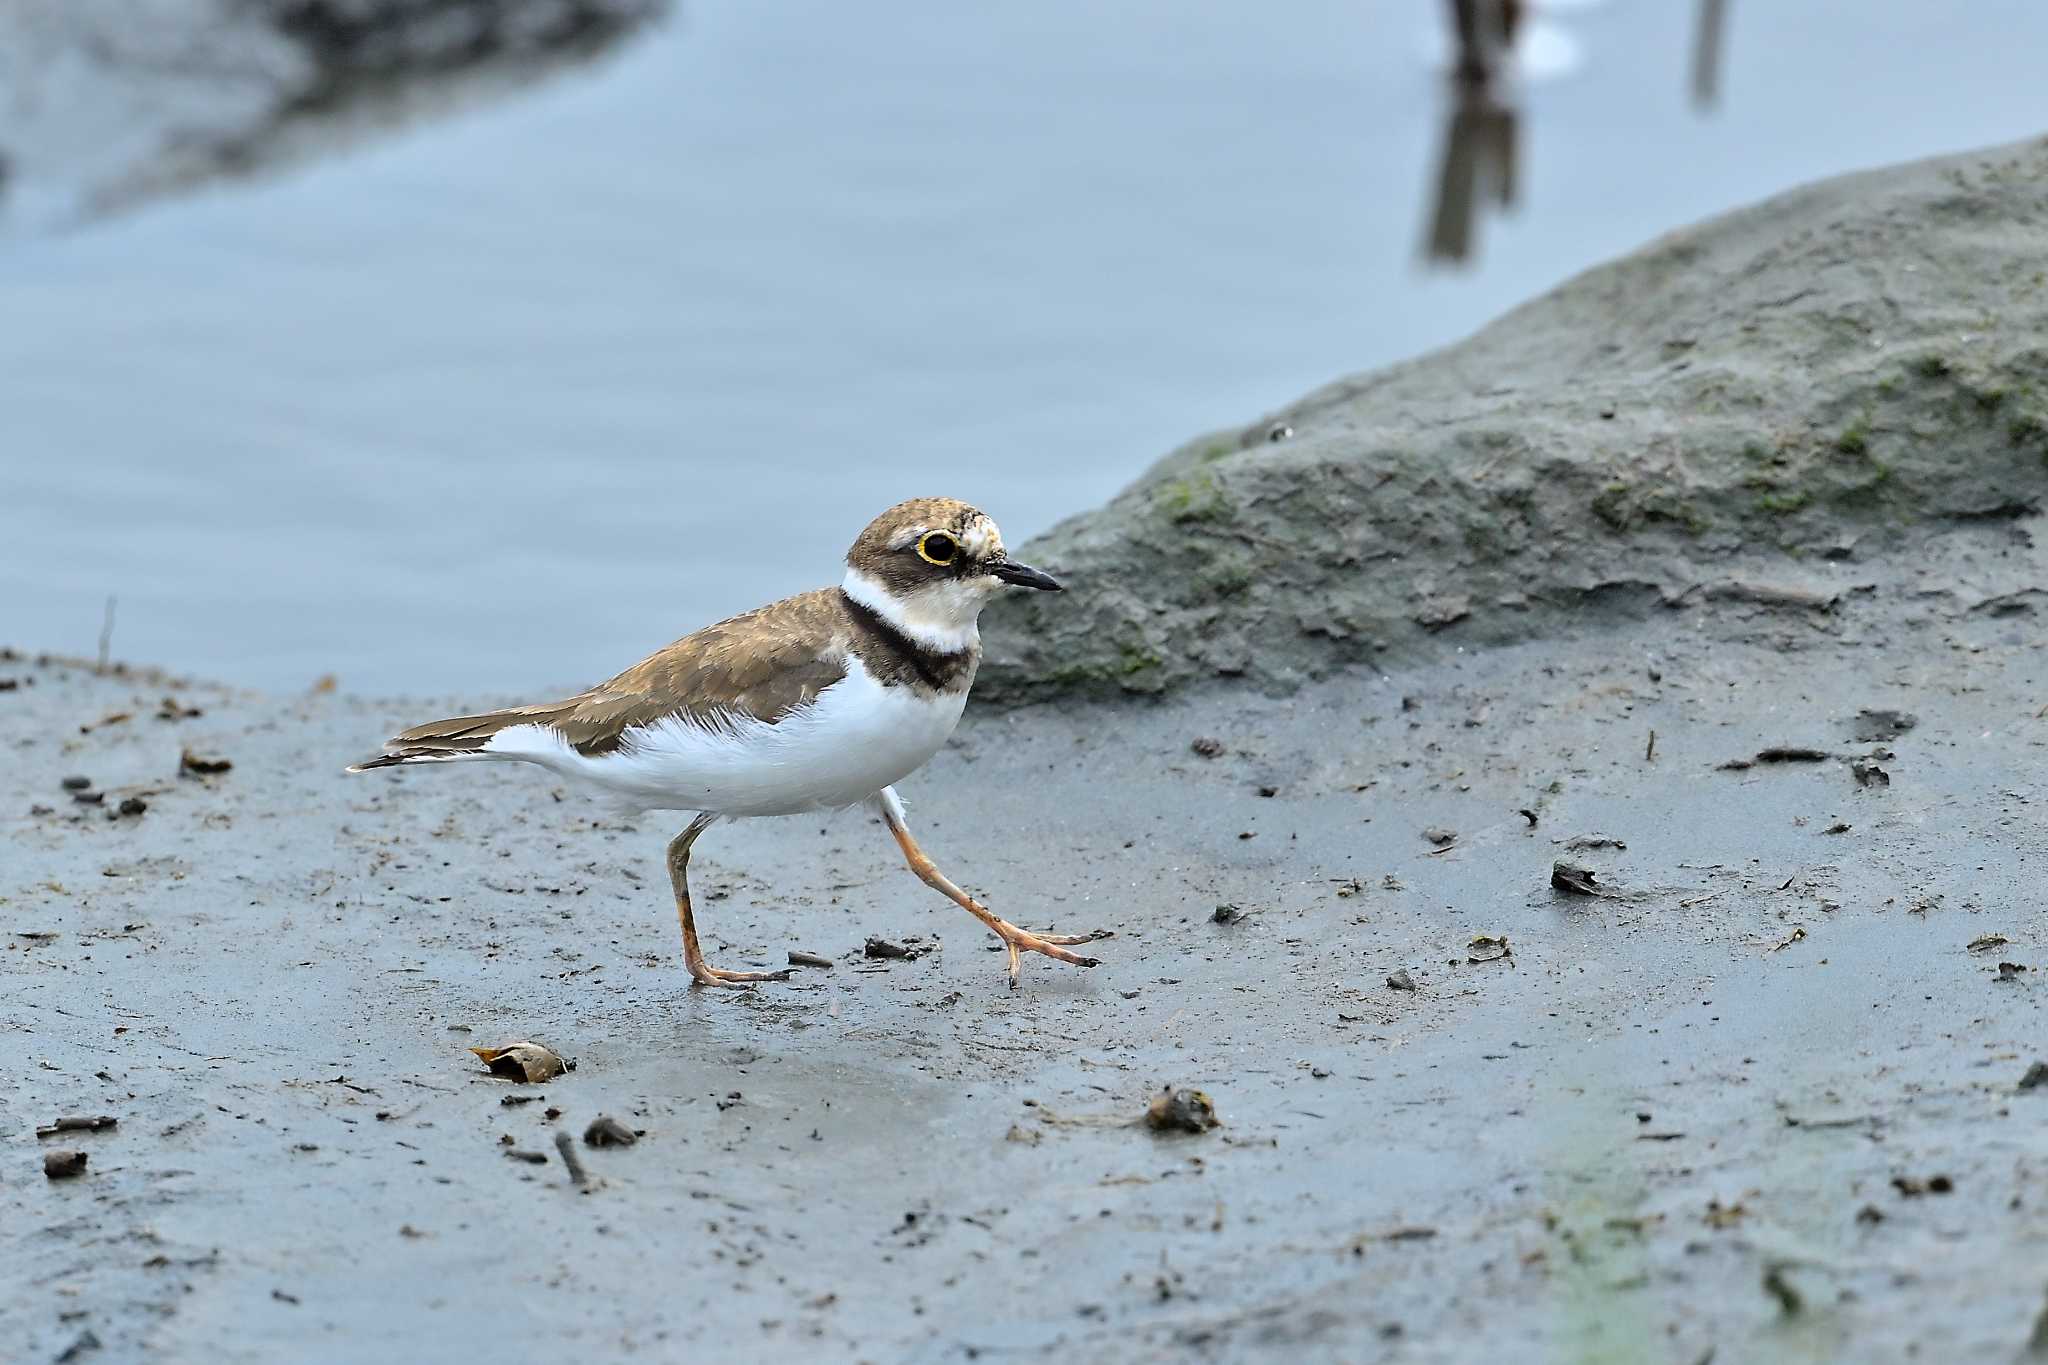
(1488, 948)
(523, 1061)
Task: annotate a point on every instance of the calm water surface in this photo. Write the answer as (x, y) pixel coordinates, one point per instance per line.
(501, 399)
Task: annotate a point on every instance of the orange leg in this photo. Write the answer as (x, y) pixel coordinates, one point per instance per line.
(1018, 941)
(701, 972)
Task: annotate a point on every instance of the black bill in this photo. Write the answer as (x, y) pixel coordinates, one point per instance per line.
(1024, 576)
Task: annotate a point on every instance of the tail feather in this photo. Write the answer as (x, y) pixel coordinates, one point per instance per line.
(397, 757)
(442, 741)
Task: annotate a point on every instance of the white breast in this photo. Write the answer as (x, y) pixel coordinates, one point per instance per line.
(855, 739)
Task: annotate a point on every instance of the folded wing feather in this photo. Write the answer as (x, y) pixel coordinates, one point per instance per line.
(764, 664)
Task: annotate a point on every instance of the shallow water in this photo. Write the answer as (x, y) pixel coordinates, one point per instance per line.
(501, 399)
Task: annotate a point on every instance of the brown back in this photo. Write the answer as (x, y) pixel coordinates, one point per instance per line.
(762, 664)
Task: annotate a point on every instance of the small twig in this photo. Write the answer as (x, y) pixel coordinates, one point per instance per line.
(882, 947)
(106, 635)
(797, 959)
(77, 1123)
(1650, 749)
(1847, 1121)
(566, 1145)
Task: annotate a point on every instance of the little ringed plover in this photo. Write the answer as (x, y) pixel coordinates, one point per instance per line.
(820, 701)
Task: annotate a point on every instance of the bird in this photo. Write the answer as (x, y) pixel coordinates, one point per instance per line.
(821, 701)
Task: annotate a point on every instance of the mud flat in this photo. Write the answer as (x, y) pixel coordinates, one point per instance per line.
(1762, 1094)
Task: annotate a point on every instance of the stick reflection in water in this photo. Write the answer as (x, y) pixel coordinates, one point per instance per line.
(1478, 165)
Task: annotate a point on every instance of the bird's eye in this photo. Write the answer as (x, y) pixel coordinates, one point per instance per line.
(937, 548)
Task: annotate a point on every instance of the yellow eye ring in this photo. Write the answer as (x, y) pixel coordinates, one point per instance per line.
(936, 547)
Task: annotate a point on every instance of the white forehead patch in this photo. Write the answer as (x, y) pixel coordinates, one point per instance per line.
(981, 539)
(907, 537)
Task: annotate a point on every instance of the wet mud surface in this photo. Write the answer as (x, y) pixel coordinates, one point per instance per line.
(1752, 1091)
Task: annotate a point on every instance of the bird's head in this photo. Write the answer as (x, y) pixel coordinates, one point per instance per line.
(929, 565)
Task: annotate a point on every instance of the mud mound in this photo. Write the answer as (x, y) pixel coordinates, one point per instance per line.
(1831, 377)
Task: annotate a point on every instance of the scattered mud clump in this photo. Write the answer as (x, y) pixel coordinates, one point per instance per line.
(1574, 880)
(909, 950)
(1881, 725)
(63, 1163)
(606, 1131)
(1181, 1111)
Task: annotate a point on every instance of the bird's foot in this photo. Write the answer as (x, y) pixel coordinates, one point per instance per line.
(1022, 941)
(704, 974)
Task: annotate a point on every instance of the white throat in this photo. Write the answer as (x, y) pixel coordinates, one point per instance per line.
(944, 617)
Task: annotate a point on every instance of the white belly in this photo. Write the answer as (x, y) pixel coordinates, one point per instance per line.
(855, 739)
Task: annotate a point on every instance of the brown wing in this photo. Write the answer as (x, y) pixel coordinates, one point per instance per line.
(763, 664)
